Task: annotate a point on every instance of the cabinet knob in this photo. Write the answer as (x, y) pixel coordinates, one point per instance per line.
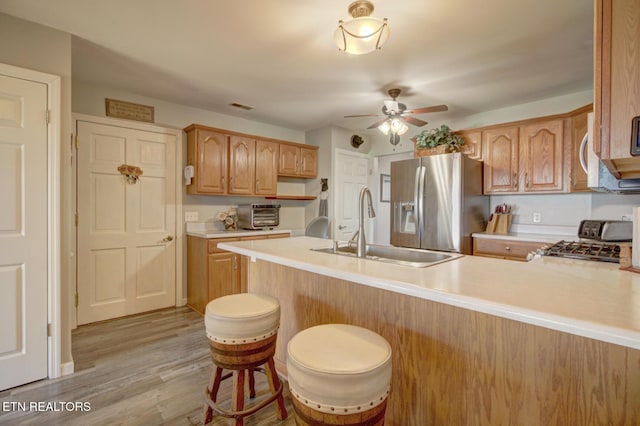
(507, 248)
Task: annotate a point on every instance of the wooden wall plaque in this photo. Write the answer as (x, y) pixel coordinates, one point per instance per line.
(129, 110)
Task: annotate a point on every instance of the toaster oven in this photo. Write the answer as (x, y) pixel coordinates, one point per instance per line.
(258, 216)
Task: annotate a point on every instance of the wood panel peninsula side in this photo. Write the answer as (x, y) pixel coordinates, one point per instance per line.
(475, 340)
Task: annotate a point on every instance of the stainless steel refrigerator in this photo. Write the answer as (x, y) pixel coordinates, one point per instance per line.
(437, 202)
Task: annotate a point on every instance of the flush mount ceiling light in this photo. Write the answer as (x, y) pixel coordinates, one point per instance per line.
(362, 34)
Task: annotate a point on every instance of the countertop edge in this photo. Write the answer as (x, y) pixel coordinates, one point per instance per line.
(593, 330)
(238, 233)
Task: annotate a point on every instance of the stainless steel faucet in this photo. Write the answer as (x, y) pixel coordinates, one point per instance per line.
(361, 241)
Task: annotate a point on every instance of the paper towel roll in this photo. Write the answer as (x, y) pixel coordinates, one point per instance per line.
(635, 246)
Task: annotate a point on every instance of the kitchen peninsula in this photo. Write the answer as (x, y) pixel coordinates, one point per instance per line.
(475, 340)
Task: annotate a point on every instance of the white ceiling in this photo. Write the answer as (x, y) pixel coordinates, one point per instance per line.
(278, 55)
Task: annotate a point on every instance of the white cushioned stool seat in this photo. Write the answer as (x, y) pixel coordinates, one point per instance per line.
(339, 369)
(242, 318)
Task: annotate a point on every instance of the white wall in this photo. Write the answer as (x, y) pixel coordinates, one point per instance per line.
(558, 105)
(559, 212)
(329, 139)
(382, 221)
(89, 99)
(40, 48)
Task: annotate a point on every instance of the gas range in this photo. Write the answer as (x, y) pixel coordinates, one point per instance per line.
(605, 252)
(597, 241)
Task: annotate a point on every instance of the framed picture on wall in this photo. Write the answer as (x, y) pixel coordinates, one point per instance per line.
(385, 188)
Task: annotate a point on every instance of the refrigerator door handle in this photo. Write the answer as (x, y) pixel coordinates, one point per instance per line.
(421, 218)
(417, 190)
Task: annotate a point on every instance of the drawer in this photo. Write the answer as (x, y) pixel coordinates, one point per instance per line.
(212, 244)
(504, 248)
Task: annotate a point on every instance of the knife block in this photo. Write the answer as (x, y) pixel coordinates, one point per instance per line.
(499, 224)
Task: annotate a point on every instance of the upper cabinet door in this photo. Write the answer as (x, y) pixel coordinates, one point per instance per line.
(289, 158)
(500, 160)
(617, 86)
(210, 162)
(308, 162)
(472, 146)
(242, 162)
(266, 168)
(542, 147)
(578, 127)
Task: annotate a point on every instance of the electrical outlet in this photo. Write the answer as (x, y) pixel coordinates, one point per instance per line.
(537, 218)
(190, 216)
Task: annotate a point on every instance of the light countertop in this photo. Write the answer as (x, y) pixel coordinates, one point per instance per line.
(590, 299)
(535, 233)
(525, 236)
(202, 230)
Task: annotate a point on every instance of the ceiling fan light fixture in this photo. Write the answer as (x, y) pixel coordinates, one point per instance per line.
(363, 34)
(398, 127)
(385, 127)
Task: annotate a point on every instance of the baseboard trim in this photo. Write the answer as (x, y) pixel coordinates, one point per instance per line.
(67, 368)
(184, 301)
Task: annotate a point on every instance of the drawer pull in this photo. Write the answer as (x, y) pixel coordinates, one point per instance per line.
(507, 248)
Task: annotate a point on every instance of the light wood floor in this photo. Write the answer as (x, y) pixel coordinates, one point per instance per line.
(149, 369)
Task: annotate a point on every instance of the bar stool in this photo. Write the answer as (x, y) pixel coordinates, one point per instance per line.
(339, 374)
(242, 331)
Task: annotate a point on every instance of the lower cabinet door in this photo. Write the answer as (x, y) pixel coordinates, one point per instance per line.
(223, 275)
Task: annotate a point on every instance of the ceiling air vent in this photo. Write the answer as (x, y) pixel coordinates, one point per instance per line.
(245, 107)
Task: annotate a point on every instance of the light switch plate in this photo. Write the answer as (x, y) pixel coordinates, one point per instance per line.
(190, 216)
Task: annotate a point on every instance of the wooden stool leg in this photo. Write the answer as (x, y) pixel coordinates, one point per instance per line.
(212, 388)
(237, 398)
(274, 385)
(252, 384)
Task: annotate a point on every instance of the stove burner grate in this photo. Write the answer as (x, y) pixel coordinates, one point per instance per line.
(586, 251)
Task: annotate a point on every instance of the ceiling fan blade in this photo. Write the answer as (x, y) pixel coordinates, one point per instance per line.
(414, 121)
(435, 108)
(363, 115)
(377, 123)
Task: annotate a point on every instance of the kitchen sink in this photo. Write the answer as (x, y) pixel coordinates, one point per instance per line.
(391, 254)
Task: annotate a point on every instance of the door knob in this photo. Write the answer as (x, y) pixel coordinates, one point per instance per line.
(167, 239)
(341, 227)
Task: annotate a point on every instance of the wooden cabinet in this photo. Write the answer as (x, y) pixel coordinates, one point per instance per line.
(207, 152)
(298, 161)
(617, 85)
(501, 160)
(504, 249)
(231, 163)
(577, 129)
(472, 146)
(223, 275)
(526, 158)
(267, 155)
(542, 148)
(242, 165)
(213, 272)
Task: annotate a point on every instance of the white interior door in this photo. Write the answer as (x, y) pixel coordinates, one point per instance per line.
(126, 230)
(351, 174)
(23, 231)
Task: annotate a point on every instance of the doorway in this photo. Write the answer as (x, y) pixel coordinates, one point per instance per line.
(29, 227)
(351, 173)
(129, 241)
